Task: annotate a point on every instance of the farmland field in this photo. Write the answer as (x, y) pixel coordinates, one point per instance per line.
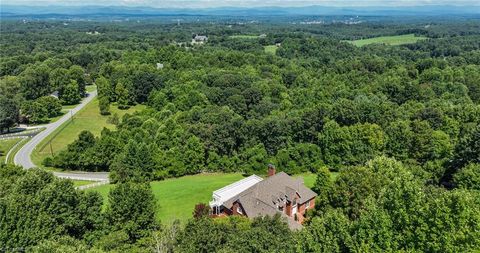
(177, 197)
(389, 40)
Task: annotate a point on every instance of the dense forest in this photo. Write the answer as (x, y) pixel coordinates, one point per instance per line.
(398, 125)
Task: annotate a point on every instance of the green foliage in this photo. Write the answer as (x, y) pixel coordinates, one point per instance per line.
(37, 207)
(61, 245)
(135, 163)
(267, 234)
(131, 209)
(468, 177)
(77, 74)
(35, 81)
(123, 96)
(350, 145)
(323, 187)
(9, 113)
(310, 103)
(327, 233)
(104, 105)
(70, 95)
(77, 154)
(386, 209)
(104, 88)
(51, 104)
(34, 112)
(468, 147)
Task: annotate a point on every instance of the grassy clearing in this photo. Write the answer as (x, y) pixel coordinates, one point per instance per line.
(90, 88)
(389, 40)
(243, 36)
(5, 146)
(272, 49)
(177, 197)
(81, 182)
(88, 118)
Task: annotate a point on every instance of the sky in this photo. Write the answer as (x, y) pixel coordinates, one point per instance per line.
(238, 3)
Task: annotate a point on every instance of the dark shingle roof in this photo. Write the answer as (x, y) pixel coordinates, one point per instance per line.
(264, 197)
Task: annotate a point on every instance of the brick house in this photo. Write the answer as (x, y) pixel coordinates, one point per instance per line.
(254, 196)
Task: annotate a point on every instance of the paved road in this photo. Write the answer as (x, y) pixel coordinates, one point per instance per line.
(22, 158)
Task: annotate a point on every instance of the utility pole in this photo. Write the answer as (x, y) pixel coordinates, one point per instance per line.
(51, 149)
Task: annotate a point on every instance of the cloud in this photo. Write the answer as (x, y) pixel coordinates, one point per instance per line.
(238, 3)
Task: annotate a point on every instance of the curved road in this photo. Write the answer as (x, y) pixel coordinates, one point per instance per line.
(22, 158)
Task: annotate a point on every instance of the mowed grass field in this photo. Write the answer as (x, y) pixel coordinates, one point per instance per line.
(272, 49)
(81, 182)
(5, 146)
(176, 197)
(88, 118)
(389, 40)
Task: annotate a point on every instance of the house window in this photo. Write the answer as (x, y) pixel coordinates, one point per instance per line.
(307, 205)
(239, 210)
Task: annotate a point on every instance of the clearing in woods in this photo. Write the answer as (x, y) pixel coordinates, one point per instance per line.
(389, 40)
(176, 197)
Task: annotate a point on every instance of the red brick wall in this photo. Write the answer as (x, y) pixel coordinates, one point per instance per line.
(301, 208)
(234, 209)
(304, 206)
(288, 209)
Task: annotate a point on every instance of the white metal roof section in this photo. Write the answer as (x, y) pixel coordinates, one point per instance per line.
(229, 191)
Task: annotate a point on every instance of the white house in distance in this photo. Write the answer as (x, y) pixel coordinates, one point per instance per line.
(199, 39)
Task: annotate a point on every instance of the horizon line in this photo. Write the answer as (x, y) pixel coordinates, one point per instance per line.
(245, 7)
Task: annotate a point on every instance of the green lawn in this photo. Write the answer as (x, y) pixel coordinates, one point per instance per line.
(389, 40)
(90, 88)
(5, 146)
(81, 182)
(88, 118)
(272, 49)
(177, 197)
(243, 36)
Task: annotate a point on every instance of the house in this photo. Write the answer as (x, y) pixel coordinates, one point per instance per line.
(254, 196)
(262, 36)
(199, 39)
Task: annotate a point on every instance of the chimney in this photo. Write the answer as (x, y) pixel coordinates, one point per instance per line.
(271, 170)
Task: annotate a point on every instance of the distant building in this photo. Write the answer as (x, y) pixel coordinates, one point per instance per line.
(253, 196)
(199, 39)
(159, 65)
(262, 36)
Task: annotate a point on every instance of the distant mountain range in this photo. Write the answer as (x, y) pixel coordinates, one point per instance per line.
(17, 10)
